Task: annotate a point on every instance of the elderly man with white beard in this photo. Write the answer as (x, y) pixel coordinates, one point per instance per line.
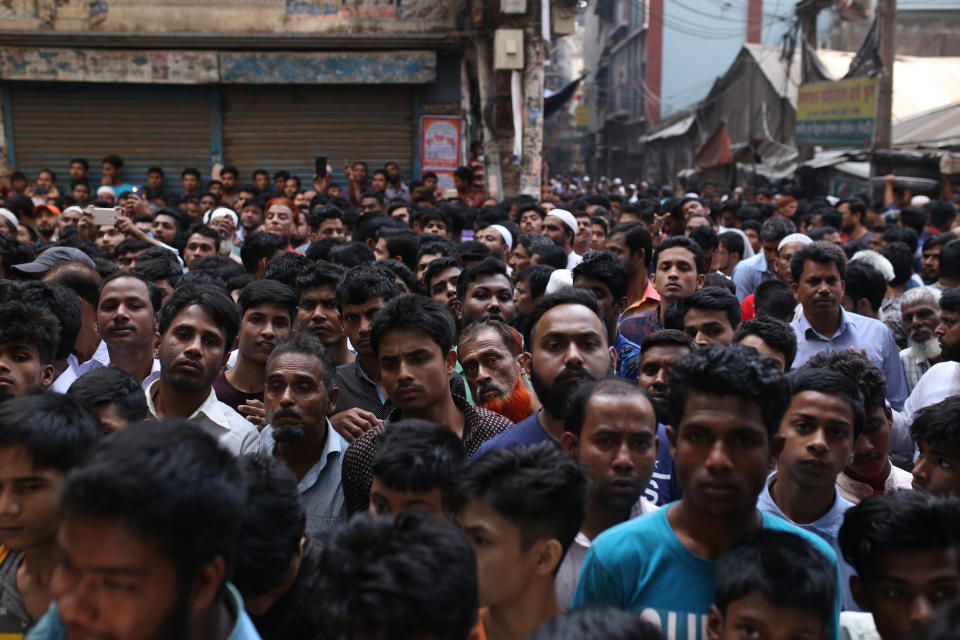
(920, 310)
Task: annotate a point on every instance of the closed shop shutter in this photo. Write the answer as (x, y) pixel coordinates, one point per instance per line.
(145, 125)
(284, 127)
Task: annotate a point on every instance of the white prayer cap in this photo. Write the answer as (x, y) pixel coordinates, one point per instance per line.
(106, 189)
(10, 217)
(558, 280)
(566, 217)
(504, 233)
(794, 237)
(221, 212)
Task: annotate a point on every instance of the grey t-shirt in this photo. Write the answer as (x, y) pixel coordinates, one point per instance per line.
(14, 619)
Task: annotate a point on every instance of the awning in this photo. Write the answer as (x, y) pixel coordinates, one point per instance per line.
(678, 128)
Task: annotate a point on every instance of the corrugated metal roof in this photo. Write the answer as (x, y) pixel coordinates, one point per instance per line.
(938, 127)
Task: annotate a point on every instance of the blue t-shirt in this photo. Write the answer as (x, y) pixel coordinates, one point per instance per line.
(526, 432)
(642, 567)
(664, 487)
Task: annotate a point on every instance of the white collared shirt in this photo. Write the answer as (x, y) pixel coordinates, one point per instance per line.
(234, 432)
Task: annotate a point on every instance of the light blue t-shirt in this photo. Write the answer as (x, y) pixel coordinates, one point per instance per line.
(642, 567)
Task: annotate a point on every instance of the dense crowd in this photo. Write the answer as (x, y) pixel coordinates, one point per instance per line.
(384, 410)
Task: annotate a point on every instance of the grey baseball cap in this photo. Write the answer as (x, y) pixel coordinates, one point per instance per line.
(54, 257)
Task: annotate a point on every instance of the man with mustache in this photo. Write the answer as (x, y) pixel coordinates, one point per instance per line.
(566, 336)
(317, 310)
(300, 393)
(485, 292)
(942, 380)
(126, 318)
(817, 271)
(920, 314)
(493, 361)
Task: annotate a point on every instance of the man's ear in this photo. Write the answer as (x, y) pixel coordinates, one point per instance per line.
(714, 623)
(549, 555)
(794, 286)
(619, 306)
(700, 279)
(47, 375)
(332, 396)
(569, 442)
(207, 585)
(526, 361)
(451, 362)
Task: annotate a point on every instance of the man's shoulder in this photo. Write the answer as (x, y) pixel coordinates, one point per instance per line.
(527, 431)
(364, 445)
(643, 531)
(492, 420)
(771, 521)
(749, 264)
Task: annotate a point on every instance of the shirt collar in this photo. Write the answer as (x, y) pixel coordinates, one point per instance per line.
(649, 294)
(210, 408)
(335, 445)
(846, 320)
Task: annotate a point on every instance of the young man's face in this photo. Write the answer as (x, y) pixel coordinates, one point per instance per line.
(930, 262)
(556, 230)
(21, 371)
(948, 332)
(108, 238)
(125, 316)
(616, 448)
(295, 396)
(261, 181)
(676, 274)
(112, 583)
(385, 501)
(820, 289)
(490, 368)
(937, 468)
(784, 256)
(437, 227)
(519, 259)
(755, 617)
(190, 183)
(708, 326)
(229, 181)
(251, 217)
(414, 372)
(722, 453)
(443, 288)
(261, 329)
(760, 346)
(77, 171)
(198, 246)
(871, 449)
(318, 314)
(906, 588)
(523, 300)
(358, 321)
(29, 499)
(193, 350)
(654, 368)
(331, 228)
(489, 297)
(530, 222)
(815, 439)
(164, 228)
(80, 192)
(494, 241)
(616, 244)
(403, 213)
(612, 307)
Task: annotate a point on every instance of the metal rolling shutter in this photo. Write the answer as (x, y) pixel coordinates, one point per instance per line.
(283, 127)
(145, 125)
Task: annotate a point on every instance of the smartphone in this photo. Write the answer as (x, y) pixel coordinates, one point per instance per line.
(320, 166)
(105, 217)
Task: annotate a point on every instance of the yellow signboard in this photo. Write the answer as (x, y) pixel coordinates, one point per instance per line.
(837, 113)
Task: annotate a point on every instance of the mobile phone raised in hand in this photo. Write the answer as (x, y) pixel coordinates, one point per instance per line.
(320, 165)
(103, 217)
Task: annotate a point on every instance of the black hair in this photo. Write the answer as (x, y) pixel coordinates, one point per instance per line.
(915, 219)
(705, 236)
(13, 252)
(950, 300)
(906, 235)
(231, 170)
(950, 259)
(55, 430)
(667, 338)
(401, 243)
(487, 267)
(714, 299)
(273, 524)
(431, 245)
(155, 478)
(733, 370)
(637, 238)
(153, 293)
(212, 300)
(901, 257)
(62, 303)
(351, 254)
(897, 522)
(113, 160)
(538, 488)
(258, 246)
(202, 277)
(820, 253)
(397, 270)
(412, 576)
(81, 161)
(323, 274)
(867, 377)
(159, 269)
(537, 277)
(285, 268)
(190, 171)
(864, 281)
(732, 242)
(576, 410)
(604, 267)
(80, 279)
(319, 250)
(942, 214)
(937, 423)
(205, 231)
(831, 383)
(319, 214)
(435, 267)
(418, 456)
(774, 298)
(263, 291)
(131, 244)
(413, 312)
(776, 229)
(596, 623)
(473, 251)
(219, 265)
(783, 568)
(566, 295)
(304, 342)
(778, 335)
(111, 385)
(362, 283)
(549, 254)
(682, 242)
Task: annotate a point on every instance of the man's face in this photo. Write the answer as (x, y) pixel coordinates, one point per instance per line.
(414, 372)
(491, 370)
(871, 449)
(430, 183)
(77, 171)
(108, 238)
(556, 230)
(598, 237)
(403, 213)
(125, 316)
(381, 251)
(676, 275)
(424, 261)
(722, 454)
(930, 262)
(771, 254)
(816, 436)
(784, 256)
(692, 207)
(290, 188)
(489, 297)
(754, 238)
(820, 289)
(21, 371)
(379, 182)
(523, 300)
(569, 346)
(722, 260)
(386, 501)
(937, 468)
(693, 223)
(68, 217)
(616, 244)
(920, 320)
(728, 219)
(331, 228)
(190, 183)
(437, 227)
(261, 182)
(530, 222)
(654, 376)
(229, 181)
(112, 583)
(193, 350)
(164, 228)
(359, 172)
(612, 308)
(109, 173)
(582, 239)
(80, 193)
(251, 217)
(443, 287)
(492, 238)
(317, 313)
(29, 500)
(908, 586)
(47, 222)
(154, 180)
(198, 246)
(279, 220)
(296, 398)
(760, 346)
(208, 202)
(616, 449)
(948, 332)
(261, 329)
(519, 259)
(358, 321)
(393, 171)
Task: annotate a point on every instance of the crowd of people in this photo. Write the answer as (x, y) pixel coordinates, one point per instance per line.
(385, 410)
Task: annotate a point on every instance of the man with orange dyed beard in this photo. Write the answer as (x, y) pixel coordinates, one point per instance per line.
(491, 354)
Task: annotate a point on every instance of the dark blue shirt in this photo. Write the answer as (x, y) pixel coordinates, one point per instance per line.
(526, 432)
(664, 487)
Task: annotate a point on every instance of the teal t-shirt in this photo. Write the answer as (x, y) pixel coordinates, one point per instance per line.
(641, 566)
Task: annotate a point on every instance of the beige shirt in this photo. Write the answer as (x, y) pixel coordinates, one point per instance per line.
(856, 491)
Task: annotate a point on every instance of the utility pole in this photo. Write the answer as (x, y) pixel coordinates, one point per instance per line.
(883, 119)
